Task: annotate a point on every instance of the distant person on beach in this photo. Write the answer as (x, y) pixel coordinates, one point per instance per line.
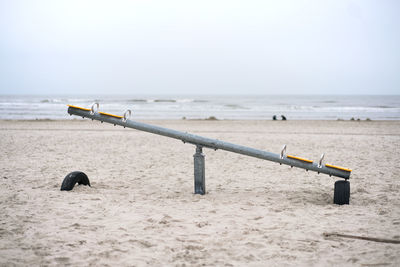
(283, 117)
(274, 118)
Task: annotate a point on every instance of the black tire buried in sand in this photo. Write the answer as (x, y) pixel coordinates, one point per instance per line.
(341, 192)
(72, 178)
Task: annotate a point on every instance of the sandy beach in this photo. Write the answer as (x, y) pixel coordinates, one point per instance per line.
(141, 209)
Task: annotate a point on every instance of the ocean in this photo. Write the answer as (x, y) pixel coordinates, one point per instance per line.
(254, 107)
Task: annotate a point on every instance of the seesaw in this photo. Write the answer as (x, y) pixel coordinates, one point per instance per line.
(341, 190)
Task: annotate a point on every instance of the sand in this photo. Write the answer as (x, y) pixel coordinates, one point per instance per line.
(141, 209)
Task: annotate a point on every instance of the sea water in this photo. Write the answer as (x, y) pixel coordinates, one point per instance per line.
(257, 107)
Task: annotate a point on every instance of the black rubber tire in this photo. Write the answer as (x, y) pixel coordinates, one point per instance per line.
(72, 178)
(341, 192)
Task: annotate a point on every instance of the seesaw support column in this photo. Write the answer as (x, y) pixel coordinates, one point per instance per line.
(199, 171)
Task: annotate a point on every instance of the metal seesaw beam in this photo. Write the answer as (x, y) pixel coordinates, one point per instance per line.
(201, 142)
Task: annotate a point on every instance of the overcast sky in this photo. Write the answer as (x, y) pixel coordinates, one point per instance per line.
(199, 47)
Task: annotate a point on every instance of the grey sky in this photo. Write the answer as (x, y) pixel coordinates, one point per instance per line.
(199, 47)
